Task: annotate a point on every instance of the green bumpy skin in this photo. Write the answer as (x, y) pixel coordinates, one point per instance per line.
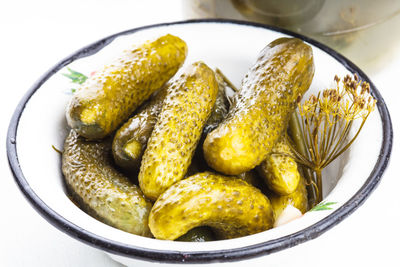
(131, 139)
(186, 108)
(297, 199)
(261, 110)
(110, 96)
(198, 234)
(279, 170)
(230, 206)
(99, 189)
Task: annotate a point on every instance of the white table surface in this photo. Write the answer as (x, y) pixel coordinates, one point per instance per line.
(34, 35)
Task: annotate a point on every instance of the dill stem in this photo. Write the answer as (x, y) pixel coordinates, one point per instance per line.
(349, 144)
(331, 136)
(310, 139)
(57, 150)
(226, 80)
(323, 138)
(318, 174)
(297, 136)
(340, 131)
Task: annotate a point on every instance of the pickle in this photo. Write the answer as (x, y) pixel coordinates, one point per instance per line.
(230, 206)
(297, 199)
(218, 114)
(186, 108)
(198, 234)
(110, 96)
(279, 170)
(198, 165)
(131, 139)
(99, 189)
(261, 109)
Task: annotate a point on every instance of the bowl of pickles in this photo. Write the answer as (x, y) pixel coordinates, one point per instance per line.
(199, 142)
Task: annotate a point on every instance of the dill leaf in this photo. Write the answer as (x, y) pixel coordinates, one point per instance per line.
(75, 76)
(323, 206)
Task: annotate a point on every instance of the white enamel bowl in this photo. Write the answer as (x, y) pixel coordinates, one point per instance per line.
(39, 122)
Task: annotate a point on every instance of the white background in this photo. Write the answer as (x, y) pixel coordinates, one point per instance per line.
(34, 35)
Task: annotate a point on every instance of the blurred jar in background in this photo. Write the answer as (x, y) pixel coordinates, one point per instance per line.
(365, 31)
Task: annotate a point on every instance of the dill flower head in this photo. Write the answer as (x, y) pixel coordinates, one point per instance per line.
(322, 124)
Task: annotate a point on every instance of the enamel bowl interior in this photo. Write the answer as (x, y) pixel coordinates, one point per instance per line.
(232, 47)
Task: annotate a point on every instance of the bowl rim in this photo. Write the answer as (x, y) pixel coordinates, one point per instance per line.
(223, 255)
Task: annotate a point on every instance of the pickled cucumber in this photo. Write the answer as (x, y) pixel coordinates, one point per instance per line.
(279, 170)
(99, 189)
(281, 75)
(198, 234)
(186, 108)
(297, 199)
(231, 207)
(109, 97)
(131, 139)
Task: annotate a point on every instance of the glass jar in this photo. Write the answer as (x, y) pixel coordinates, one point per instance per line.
(365, 31)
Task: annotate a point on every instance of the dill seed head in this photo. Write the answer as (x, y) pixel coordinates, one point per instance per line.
(325, 122)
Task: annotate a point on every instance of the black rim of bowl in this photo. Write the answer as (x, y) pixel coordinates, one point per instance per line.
(223, 255)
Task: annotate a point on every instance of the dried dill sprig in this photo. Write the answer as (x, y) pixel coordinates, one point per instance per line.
(321, 126)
